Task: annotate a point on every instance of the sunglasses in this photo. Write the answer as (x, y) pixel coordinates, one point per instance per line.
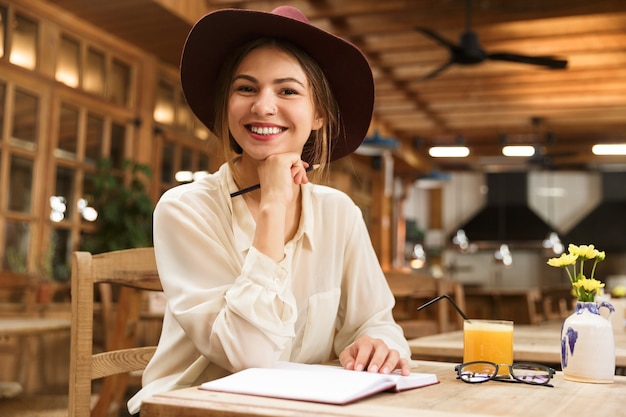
(525, 372)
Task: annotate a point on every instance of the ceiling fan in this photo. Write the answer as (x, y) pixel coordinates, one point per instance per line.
(543, 158)
(470, 52)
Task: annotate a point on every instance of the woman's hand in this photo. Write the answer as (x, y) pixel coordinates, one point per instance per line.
(278, 212)
(278, 174)
(372, 355)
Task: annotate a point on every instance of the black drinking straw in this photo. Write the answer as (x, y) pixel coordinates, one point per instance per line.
(434, 300)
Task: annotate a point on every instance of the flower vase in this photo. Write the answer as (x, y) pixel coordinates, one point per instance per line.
(587, 344)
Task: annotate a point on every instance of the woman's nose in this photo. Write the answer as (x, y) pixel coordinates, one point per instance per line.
(265, 105)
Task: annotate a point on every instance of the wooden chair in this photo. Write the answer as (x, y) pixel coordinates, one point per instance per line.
(133, 270)
(412, 290)
(557, 302)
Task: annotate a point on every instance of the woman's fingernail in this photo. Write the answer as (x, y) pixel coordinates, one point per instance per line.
(385, 370)
(373, 369)
(359, 367)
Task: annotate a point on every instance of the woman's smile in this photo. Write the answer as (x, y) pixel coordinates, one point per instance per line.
(270, 106)
(265, 132)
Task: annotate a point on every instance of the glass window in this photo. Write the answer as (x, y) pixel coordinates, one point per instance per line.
(118, 142)
(88, 192)
(167, 166)
(186, 163)
(93, 80)
(120, 82)
(200, 131)
(25, 117)
(68, 132)
(203, 162)
(16, 239)
(164, 104)
(24, 43)
(61, 203)
(20, 184)
(3, 89)
(184, 118)
(3, 29)
(68, 62)
(93, 138)
(62, 250)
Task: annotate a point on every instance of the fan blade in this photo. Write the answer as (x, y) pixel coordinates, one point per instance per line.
(436, 71)
(435, 36)
(545, 61)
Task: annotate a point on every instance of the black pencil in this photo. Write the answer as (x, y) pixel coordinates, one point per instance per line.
(257, 186)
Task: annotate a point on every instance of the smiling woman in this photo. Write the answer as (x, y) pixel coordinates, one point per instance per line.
(255, 254)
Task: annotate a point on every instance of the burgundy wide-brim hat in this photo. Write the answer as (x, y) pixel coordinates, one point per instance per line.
(218, 33)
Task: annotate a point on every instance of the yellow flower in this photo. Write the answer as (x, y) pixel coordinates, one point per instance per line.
(588, 284)
(564, 260)
(584, 252)
(573, 262)
(585, 289)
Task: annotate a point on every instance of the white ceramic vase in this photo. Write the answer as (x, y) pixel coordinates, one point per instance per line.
(587, 344)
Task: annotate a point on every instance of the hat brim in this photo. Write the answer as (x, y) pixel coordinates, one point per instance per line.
(218, 33)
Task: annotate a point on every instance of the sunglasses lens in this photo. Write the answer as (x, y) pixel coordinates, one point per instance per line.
(531, 373)
(477, 372)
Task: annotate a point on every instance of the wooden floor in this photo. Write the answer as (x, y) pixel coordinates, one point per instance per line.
(39, 406)
(47, 405)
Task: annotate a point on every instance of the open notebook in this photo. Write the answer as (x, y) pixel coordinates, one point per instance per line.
(317, 383)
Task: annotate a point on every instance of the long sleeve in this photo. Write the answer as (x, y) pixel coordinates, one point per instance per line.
(225, 301)
(231, 306)
(366, 300)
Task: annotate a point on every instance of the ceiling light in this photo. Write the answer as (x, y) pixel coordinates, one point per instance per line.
(417, 260)
(609, 149)
(449, 151)
(183, 176)
(460, 240)
(518, 150)
(553, 242)
(503, 255)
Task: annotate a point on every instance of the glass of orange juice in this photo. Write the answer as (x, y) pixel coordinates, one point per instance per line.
(488, 340)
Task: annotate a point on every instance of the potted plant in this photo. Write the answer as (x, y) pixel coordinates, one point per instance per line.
(124, 207)
(40, 281)
(587, 343)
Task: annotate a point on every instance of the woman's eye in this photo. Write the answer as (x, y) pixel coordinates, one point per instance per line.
(244, 89)
(289, 92)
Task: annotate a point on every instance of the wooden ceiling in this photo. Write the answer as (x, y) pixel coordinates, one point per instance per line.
(563, 112)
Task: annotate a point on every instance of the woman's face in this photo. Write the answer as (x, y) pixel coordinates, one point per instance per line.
(270, 109)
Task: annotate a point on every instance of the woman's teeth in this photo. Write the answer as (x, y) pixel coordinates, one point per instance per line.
(265, 130)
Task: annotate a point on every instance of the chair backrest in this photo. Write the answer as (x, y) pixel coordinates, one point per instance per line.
(132, 270)
(412, 289)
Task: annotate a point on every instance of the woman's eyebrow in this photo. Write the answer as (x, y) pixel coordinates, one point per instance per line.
(287, 80)
(245, 77)
(276, 81)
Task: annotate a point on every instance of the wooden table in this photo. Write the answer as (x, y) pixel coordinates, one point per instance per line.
(450, 397)
(26, 327)
(534, 343)
(31, 326)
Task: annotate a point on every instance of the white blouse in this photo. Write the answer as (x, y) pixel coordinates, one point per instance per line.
(230, 307)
